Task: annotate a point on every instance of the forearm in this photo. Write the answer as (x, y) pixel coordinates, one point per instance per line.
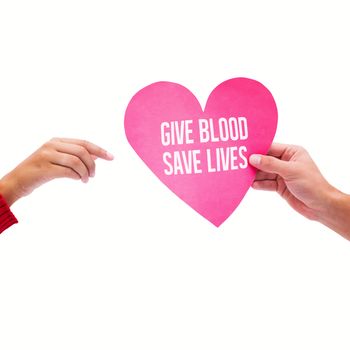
(336, 213)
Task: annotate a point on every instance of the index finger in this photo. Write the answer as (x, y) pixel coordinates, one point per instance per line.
(93, 149)
(277, 149)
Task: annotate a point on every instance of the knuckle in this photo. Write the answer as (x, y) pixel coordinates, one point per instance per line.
(296, 148)
(47, 145)
(81, 152)
(44, 153)
(76, 162)
(84, 143)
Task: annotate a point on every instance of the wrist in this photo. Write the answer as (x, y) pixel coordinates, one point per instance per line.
(335, 213)
(9, 189)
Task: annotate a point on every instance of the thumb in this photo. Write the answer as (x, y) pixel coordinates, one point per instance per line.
(270, 164)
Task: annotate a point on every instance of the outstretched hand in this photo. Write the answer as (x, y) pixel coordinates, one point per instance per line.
(58, 158)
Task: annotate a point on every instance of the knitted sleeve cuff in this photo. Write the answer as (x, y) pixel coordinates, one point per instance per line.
(7, 219)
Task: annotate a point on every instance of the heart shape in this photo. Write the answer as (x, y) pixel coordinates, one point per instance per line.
(202, 156)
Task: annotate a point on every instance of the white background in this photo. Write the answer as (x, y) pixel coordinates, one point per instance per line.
(121, 263)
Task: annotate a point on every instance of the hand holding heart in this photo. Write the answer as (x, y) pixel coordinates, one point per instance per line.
(290, 171)
(202, 156)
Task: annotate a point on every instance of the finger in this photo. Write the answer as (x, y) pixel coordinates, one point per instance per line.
(79, 152)
(64, 172)
(72, 162)
(90, 147)
(270, 164)
(265, 185)
(262, 175)
(277, 149)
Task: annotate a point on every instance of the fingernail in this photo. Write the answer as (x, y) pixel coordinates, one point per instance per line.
(110, 155)
(255, 159)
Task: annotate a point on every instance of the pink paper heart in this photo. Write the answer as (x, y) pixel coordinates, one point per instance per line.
(203, 156)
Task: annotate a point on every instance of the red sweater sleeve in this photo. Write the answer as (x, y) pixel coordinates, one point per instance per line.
(7, 219)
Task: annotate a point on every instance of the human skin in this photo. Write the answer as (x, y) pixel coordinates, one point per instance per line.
(290, 171)
(57, 158)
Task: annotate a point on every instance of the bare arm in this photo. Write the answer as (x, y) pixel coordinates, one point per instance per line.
(290, 171)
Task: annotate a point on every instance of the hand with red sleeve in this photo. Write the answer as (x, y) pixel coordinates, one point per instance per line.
(58, 158)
